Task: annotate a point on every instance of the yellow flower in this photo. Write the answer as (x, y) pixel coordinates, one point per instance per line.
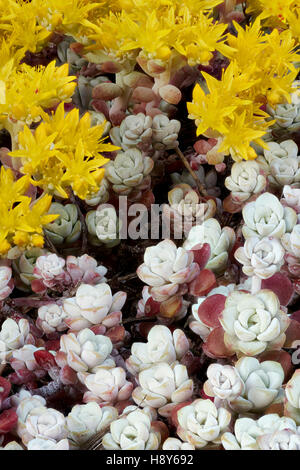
(82, 174)
(30, 89)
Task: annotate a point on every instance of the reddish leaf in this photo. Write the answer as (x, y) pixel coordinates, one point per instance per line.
(203, 283)
(201, 254)
(214, 346)
(192, 363)
(210, 310)
(281, 286)
(171, 307)
(45, 359)
(231, 206)
(8, 420)
(292, 334)
(98, 329)
(295, 316)
(159, 426)
(283, 357)
(144, 328)
(151, 307)
(52, 345)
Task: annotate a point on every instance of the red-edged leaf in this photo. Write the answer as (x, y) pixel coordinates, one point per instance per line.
(204, 396)
(203, 283)
(8, 420)
(45, 359)
(283, 357)
(201, 254)
(281, 286)
(210, 310)
(214, 346)
(5, 387)
(292, 334)
(21, 377)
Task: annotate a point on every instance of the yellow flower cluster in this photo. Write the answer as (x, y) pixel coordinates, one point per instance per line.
(162, 30)
(22, 220)
(261, 70)
(64, 151)
(278, 13)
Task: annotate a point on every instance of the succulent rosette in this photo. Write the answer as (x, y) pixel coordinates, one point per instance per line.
(165, 268)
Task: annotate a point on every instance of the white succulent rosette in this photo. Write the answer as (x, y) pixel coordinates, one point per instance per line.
(66, 228)
(195, 324)
(161, 346)
(25, 403)
(285, 149)
(202, 423)
(245, 180)
(247, 431)
(291, 241)
(106, 386)
(128, 171)
(86, 420)
(104, 226)
(253, 323)
(134, 131)
(51, 318)
(92, 305)
(262, 384)
(133, 431)
(87, 351)
(172, 443)
(224, 382)
(284, 171)
(287, 115)
(163, 386)
(220, 240)
(24, 358)
(13, 335)
(24, 265)
(185, 208)
(46, 423)
(49, 266)
(266, 217)
(261, 257)
(165, 268)
(292, 395)
(165, 132)
(101, 196)
(48, 444)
